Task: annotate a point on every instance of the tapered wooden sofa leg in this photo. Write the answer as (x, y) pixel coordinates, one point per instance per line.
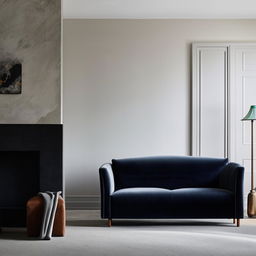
(109, 222)
(238, 222)
(234, 221)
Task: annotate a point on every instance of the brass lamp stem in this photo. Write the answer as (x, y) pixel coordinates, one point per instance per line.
(252, 176)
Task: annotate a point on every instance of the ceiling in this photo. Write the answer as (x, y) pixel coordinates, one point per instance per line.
(153, 9)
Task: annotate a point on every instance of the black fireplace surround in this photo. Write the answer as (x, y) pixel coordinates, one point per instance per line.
(30, 161)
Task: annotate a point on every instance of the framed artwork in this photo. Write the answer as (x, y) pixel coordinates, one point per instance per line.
(10, 77)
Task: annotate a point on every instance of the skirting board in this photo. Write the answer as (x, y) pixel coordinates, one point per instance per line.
(82, 202)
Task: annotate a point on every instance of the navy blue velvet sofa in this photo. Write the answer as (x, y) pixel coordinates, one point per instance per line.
(171, 187)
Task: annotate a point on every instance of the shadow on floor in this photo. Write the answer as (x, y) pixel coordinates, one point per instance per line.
(131, 223)
(15, 234)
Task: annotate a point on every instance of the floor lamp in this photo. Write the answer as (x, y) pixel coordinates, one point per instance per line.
(251, 201)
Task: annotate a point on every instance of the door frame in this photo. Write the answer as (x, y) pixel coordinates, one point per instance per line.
(230, 120)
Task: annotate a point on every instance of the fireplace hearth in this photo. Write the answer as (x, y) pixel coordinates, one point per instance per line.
(30, 161)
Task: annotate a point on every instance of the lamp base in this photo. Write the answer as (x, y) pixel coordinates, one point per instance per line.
(251, 203)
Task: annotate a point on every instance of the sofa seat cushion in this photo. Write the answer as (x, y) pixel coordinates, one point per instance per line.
(140, 202)
(178, 203)
(202, 203)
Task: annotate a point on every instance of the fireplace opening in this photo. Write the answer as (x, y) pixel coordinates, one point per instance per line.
(19, 178)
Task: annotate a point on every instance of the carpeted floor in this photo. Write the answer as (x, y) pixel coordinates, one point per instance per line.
(87, 235)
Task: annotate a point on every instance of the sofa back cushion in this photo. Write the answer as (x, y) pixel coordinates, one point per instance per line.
(169, 172)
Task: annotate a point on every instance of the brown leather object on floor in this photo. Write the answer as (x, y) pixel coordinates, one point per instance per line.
(35, 207)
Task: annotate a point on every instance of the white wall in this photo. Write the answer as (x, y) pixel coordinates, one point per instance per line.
(127, 91)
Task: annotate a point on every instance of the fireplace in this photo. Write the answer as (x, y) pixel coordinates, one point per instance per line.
(30, 161)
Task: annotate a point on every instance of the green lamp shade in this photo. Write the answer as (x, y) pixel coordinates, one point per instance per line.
(251, 115)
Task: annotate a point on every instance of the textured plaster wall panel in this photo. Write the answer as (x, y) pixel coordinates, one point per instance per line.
(31, 32)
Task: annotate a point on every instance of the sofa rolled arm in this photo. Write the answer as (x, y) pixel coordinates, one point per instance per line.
(232, 178)
(107, 187)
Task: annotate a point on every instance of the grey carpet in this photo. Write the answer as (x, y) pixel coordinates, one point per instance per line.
(87, 235)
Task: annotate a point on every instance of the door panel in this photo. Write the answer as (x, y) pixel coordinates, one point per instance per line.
(210, 101)
(242, 96)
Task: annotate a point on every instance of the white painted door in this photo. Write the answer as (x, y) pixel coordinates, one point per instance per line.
(210, 100)
(242, 95)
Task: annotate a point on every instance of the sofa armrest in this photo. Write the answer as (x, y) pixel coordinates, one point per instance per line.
(107, 187)
(232, 178)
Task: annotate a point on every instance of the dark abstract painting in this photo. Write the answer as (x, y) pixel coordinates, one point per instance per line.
(10, 77)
